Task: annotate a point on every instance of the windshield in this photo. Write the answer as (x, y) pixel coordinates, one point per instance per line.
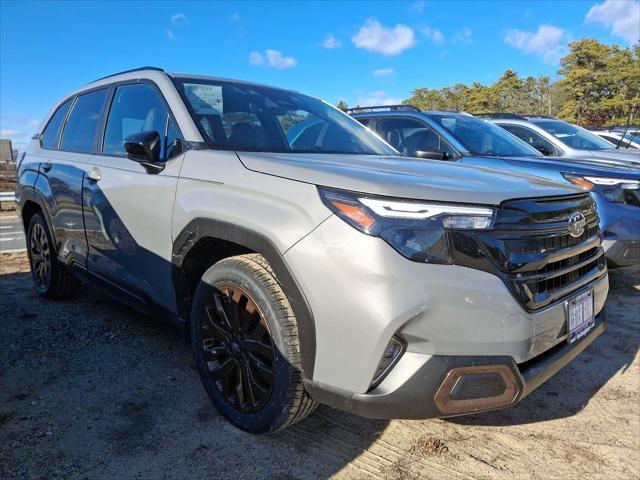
(574, 136)
(243, 117)
(483, 138)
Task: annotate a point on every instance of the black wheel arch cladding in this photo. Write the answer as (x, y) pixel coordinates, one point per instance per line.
(200, 228)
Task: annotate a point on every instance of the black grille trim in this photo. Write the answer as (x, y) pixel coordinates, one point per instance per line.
(532, 251)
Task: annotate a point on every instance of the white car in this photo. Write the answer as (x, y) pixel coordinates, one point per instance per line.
(626, 140)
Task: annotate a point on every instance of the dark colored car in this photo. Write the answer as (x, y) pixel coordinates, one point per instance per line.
(463, 138)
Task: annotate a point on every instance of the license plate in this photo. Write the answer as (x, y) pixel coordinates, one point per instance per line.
(581, 318)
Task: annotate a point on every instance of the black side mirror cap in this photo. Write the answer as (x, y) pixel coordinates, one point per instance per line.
(144, 148)
(430, 154)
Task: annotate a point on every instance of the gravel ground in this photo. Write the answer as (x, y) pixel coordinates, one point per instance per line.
(89, 389)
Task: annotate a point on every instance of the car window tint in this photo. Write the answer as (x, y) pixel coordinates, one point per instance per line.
(245, 117)
(135, 108)
(534, 139)
(82, 125)
(574, 136)
(49, 137)
(409, 136)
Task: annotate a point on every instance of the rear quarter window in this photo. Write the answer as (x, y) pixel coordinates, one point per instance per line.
(49, 138)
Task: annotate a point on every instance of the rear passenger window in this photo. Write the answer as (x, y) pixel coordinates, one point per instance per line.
(136, 108)
(82, 126)
(49, 137)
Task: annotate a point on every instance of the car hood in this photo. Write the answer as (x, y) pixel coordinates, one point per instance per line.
(405, 177)
(629, 156)
(603, 168)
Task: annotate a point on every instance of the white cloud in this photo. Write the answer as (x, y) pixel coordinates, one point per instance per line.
(331, 42)
(623, 17)
(34, 123)
(547, 42)
(465, 35)
(383, 72)
(272, 58)
(234, 17)
(179, 19)
(374, 37)
(170, 35)
(256, 59)
(11, 134)
(418, 6)
(378, 97)
(433, 35)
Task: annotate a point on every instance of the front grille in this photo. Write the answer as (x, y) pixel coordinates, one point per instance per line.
(532, 251)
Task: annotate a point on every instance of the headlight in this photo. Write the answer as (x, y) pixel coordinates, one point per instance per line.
(618, 190)
(416, 229)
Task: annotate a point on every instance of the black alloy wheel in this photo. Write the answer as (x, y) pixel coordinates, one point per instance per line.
(237, 347)
(40, 256)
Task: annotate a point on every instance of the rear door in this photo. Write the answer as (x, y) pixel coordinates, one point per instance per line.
(67, 144)
(127, 210)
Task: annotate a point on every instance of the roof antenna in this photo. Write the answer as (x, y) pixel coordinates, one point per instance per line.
(626, 128)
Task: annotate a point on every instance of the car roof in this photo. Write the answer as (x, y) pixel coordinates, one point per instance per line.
(409, 113)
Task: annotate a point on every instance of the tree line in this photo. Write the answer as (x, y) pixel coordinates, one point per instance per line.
(597, 85)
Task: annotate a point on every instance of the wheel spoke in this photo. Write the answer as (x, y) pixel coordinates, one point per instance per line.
(261, 368)
(221, 329)
(221, 313)
(260, 348)
(247, 390)
(221, 371)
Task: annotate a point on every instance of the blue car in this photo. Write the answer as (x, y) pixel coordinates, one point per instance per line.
(460, 137)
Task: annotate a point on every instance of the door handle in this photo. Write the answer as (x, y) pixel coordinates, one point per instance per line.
(46, 166)
(94, 174)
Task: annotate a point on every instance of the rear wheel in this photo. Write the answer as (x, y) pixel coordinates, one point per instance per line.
(50, 279)
(245, 343)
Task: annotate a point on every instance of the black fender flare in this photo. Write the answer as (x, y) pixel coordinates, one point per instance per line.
(199, 228)
(31, 194)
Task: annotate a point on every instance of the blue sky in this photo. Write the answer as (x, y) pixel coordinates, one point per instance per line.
(360, 52)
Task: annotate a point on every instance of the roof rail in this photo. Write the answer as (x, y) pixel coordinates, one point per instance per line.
(511, 116)
(393, 108)
(128, 71)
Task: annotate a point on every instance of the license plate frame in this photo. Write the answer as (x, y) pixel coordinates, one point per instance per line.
(580, 315)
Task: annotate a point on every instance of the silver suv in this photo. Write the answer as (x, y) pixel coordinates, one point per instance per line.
(556, 138)
(307, 260)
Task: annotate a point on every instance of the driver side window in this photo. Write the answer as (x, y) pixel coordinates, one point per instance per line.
(534, 139)
(138, 108)
(409, 136)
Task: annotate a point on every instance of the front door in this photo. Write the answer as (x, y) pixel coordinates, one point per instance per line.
(127, 210)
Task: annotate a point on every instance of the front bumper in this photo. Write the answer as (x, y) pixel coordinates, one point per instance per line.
(428, 390)
(368, 293)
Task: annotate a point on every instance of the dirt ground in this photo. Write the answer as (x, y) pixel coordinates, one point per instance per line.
(90, 390)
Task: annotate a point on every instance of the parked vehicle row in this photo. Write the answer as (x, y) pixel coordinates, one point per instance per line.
(465, 139)
(309, 261)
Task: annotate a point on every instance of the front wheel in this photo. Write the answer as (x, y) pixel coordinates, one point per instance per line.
(245, 344)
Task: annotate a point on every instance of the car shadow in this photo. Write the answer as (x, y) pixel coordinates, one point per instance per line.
(571, 389)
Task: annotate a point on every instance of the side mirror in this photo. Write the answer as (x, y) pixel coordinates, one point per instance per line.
(144, 148)
(430, 154)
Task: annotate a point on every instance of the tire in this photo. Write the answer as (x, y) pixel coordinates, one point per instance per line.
(241, 321)
(50, 279)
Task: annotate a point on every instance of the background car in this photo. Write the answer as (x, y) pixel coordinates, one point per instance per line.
(557, 138)
(620, 139)
(463, 138)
